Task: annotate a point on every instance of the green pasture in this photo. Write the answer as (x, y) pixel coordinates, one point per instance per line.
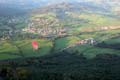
(91, 51)
(14, 49)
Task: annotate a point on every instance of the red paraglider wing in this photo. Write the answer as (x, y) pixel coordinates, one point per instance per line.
(35, 44)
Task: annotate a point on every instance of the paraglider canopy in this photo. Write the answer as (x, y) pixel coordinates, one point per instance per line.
(35, 45)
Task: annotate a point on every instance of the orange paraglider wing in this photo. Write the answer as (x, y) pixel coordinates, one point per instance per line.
(35, 45)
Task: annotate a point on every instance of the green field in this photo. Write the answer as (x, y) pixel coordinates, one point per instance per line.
(88, 50)
(64, 42)
(91, 52)
(16, 49)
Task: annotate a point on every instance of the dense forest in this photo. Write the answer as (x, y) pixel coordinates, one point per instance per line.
(63, 66)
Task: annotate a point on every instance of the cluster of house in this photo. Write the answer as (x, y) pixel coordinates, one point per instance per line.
(90, 41)
(14, 19)
(4, 38)
(6, 34)
(46, 31)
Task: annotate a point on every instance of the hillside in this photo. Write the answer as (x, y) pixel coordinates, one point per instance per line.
(68, 26)
(75, 16)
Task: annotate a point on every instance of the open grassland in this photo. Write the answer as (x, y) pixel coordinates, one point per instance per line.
(101, 35)
(91, 51)
(24, 48)
(49, 16)
(95, 19)
(64, 42)
(109, 37)
(87, 50)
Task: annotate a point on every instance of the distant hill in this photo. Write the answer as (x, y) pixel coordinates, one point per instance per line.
(31, 4)
(77, 14)
(82, 6)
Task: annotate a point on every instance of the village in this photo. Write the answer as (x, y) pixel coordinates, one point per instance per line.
(46, 32)
(10, 26)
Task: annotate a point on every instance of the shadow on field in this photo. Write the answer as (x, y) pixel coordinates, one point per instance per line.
(111, 46)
